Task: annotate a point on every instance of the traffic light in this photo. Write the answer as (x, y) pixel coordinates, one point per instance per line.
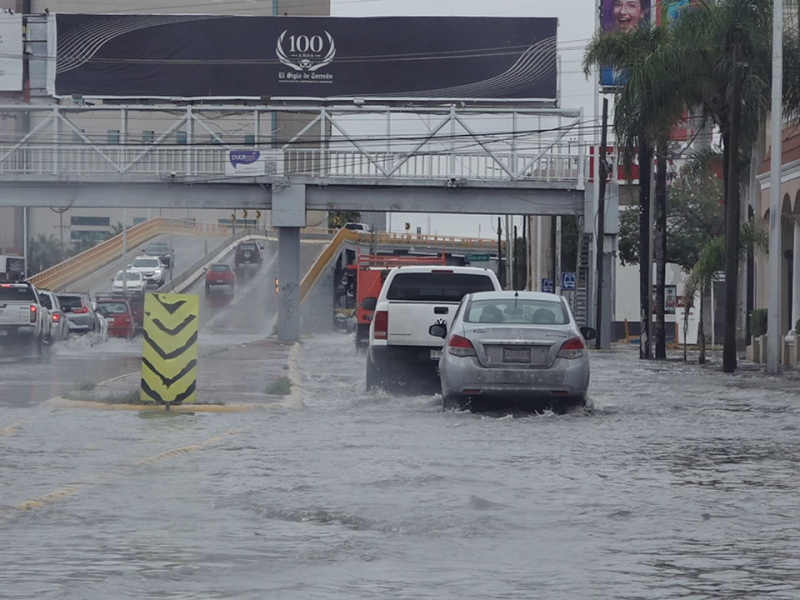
(277, 286)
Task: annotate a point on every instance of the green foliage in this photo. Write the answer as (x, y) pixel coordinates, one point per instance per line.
(78, 246)
(337, 219)
(758, 322)
(570, 241)
(86, 386)
(280, 387)
(43, 253)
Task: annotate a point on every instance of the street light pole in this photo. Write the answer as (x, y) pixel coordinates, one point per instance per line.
(774, 337)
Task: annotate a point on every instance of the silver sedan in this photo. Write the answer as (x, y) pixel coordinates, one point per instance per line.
(518, 348)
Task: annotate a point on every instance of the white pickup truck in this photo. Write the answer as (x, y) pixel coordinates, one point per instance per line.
(22, 316)
(402, 353)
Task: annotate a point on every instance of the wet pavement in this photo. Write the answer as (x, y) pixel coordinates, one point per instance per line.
(675, 482)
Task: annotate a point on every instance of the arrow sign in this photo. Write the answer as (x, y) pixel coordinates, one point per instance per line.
(233, 217)
(245, 213)
(258, 214)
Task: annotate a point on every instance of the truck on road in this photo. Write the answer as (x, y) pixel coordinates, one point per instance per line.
(22, 316)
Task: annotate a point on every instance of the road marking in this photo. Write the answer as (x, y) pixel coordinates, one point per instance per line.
(11, 429)
(71, 490)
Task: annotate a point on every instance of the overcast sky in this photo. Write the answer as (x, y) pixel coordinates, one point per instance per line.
(576, 25)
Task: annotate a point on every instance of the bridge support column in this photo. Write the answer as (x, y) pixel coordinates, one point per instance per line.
(289, 215)
(289, 280)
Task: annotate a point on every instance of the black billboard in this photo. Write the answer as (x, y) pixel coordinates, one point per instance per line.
(232, 57)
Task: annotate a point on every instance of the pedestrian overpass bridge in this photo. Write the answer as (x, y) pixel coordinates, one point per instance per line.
(511, 160)
(468, 160)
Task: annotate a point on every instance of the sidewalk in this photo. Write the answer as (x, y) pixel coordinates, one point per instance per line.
(236, 375)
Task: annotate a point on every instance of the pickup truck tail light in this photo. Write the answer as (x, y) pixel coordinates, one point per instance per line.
(460, 346)
(381, 324)
(56, 318)
(82, 310)
(34, 310)
(572, 348)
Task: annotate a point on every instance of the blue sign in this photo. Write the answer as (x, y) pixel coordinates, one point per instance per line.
(547, 286)
(568, 282)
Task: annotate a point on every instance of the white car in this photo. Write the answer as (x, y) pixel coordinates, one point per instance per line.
(402, 352)
(151, 269)
(135, 282)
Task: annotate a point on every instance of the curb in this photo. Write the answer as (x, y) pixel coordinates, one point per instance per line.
(60, 402)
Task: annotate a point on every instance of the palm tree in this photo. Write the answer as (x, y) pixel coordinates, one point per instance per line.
(647, 108)
(44, 252)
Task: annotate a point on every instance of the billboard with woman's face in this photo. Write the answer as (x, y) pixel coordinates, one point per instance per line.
(621, 15)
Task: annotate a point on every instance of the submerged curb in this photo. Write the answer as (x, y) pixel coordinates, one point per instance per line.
(60, 402)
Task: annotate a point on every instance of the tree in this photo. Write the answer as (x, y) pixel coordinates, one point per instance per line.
(116, 229)
(337, 219)
(647, 107)
(81, 245)
(44, 252)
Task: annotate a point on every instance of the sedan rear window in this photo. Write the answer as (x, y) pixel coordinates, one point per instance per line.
(250, 247)
(437, 287)
(16, 293)
(220, 268)
(517, 312)
(157, 249)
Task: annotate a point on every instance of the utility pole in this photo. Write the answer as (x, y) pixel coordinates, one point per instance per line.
(515, 278)
(645, 264)
(500, 251)
(601, 224)
(774, 337)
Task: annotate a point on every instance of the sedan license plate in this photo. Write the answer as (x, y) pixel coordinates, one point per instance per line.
(436, 354)
(517, 355)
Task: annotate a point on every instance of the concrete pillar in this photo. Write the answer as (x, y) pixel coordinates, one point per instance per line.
(795, 278)
(608, 298)
(289, 215)
(289, 280)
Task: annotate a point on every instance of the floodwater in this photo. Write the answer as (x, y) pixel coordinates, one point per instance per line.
(677, 482)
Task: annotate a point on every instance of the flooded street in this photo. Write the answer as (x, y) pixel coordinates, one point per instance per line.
(677, 482)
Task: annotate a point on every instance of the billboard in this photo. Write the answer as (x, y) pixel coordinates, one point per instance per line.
(621, 15)
(10, 52)
(320, 58)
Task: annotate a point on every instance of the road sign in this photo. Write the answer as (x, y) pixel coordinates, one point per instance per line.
(568, 282)
(233, 218)
(169, 355)
(258, 214)
(478, 258)
(547, 286)
(277, 286)
(245, 213)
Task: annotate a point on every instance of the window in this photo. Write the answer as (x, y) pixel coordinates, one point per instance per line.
(44, 300)
(132, 276)
(238, 221)
(112, 136)
(220, 268)
(137, 220)
(146, 263)
(437, 287)
(215, 139)
(113, 308)
(181, 137)
(76, 137)
(517, 312)
(88, 234)
(70, 302)
(91, 221)
(148, 137)
(21, 293)
(250, 140)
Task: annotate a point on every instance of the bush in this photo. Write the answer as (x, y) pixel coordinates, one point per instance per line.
(758, 322)
(279, 387)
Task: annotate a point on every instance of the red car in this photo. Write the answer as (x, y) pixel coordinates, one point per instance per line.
(220, 274)
(118, 313)
(248, 253)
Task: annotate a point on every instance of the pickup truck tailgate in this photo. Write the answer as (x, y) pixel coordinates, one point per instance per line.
(409, 322)
(15, 313)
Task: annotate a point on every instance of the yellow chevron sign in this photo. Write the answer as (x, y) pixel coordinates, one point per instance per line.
(169, 353)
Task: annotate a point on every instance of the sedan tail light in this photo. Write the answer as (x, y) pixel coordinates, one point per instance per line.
(381, 325)
(34, 310)
(56, 318)
(572, 348)
(460, 346)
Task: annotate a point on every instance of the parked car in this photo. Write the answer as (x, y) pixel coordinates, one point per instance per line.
(162, 251)
(401, 350)
(220, 274)
(119, 315)
(58, 329)
(22, 317)
(519, 348)
(248, 253)
(151, 269)
(80, 314)
(135, 282)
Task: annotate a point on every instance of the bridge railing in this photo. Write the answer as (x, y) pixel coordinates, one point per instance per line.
(433, 241)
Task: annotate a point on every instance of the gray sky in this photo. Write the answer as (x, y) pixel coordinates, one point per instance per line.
(576, 26)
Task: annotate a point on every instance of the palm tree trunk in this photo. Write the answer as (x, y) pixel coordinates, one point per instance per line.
(645, 268)
(701, 333)
(732, 221)
(661, 250)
